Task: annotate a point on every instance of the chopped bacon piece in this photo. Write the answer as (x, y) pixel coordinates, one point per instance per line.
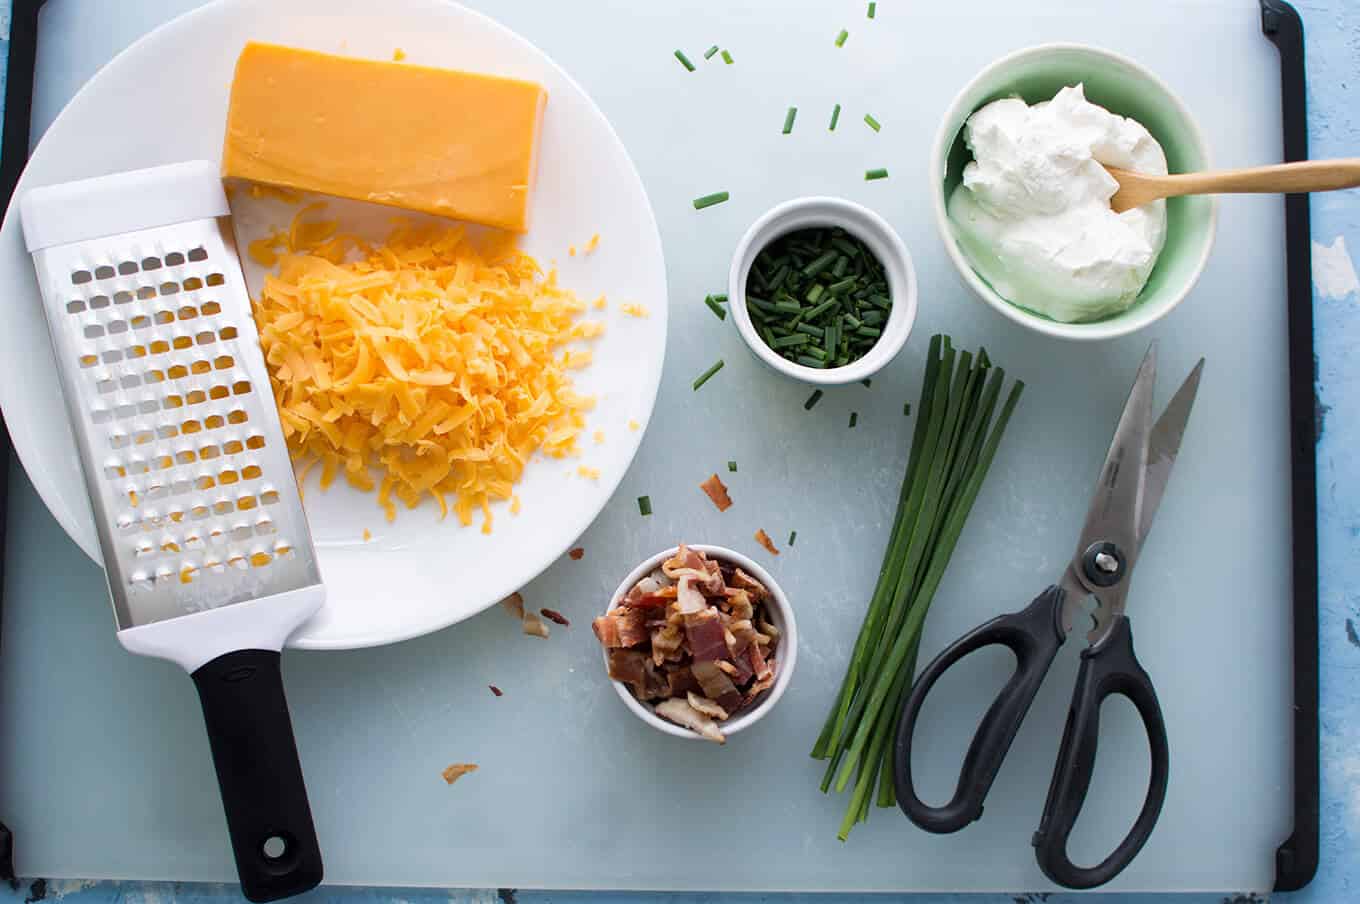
(707, 706)
(628, 666)
(514, 604)
(534, 626)
(555, 617)
(717, 491)
(741, 671)
(716, 685)
(682, 681)
(681, 713)
(458, 770)
(743, 581)
(577, 553)
(764, 540)
(685, 559)
(761, 686)
(656, 600)
(688, 598)
(666, 643)
(739, 604)
(707, 639)
(495, 690)
(624, 627)
(759, 667)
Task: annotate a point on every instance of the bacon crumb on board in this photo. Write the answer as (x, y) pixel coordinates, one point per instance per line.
(593, 243)
(458, 770)
(495, 690)
(764, 540)
(577, 553)
(717, 491)
(534, 626)
(633, 310)
(514, 604)
(554, 616)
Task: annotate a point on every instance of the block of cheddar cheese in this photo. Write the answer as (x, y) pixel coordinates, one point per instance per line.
(457, 144)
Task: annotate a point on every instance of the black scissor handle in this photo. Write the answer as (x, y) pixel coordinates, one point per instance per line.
(1109, 669)
(1033, 635)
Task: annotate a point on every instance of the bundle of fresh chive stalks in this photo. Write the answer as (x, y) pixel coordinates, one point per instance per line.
(954, 442)
(818, 297)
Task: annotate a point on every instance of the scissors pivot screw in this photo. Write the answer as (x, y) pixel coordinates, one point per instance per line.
(1103, 564)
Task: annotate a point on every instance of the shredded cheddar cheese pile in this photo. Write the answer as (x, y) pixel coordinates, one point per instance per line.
(439, 362)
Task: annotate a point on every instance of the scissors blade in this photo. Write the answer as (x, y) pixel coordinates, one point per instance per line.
(1165, 445)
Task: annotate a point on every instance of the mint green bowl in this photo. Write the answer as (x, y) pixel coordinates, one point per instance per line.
(1121, 86)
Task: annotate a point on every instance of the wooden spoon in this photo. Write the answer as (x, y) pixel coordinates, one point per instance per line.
(1137, 189)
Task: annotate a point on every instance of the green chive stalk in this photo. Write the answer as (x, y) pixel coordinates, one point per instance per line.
(957, 433)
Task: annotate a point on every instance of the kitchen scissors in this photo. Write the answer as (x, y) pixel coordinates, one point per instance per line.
(1130, 487)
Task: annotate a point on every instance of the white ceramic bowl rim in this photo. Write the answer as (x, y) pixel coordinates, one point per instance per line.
(781, 613)
(1140, 315)
(876, 234)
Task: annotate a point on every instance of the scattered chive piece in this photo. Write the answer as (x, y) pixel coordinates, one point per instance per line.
(718, 310)
(906, 409)
(866, 382)
(854, 419)
(835, 117)
(717, 197)
(812, 400)
(720, 298)
(793, 535)
(840, 39)
(873, 8)
(645, 505)
(871, 122)
(871, 175)
(727, 57)
(708, 54)
(732, 466)
(684, 60)
(788, 119)
(706, 375)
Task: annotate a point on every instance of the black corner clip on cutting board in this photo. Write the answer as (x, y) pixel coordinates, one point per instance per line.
(1296, 860)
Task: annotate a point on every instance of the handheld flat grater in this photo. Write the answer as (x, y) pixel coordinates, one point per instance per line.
(209, 560)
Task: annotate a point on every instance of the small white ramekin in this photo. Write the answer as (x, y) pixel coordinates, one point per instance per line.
(863, 224)
(781, 616)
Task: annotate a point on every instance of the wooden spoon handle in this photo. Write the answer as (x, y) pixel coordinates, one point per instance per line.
(1308, 175)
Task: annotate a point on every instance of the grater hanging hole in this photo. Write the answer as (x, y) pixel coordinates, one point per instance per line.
(169, 288)
(151, 263)
(127, 268)
(103, 271)
(213, 422)
(193, 284)
(80, 277)
(174, 259)
(146, 293)
(216, 279)
(198, 254)
(200, 367)
(211, 308)
(75, 307)
(255, 442)
(122, 297)
(209, 452)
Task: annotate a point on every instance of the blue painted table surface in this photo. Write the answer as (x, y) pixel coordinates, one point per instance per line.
(1333, 52)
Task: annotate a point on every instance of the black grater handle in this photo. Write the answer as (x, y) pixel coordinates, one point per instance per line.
(268, 817)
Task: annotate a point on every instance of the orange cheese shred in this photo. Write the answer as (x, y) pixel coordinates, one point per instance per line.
(430, 365)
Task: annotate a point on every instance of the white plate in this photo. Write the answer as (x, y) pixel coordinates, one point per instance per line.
(164, 99)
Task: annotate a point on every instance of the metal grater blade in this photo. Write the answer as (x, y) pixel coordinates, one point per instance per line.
(192, 488)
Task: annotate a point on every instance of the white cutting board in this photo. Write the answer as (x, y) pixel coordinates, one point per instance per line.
(104, 770)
